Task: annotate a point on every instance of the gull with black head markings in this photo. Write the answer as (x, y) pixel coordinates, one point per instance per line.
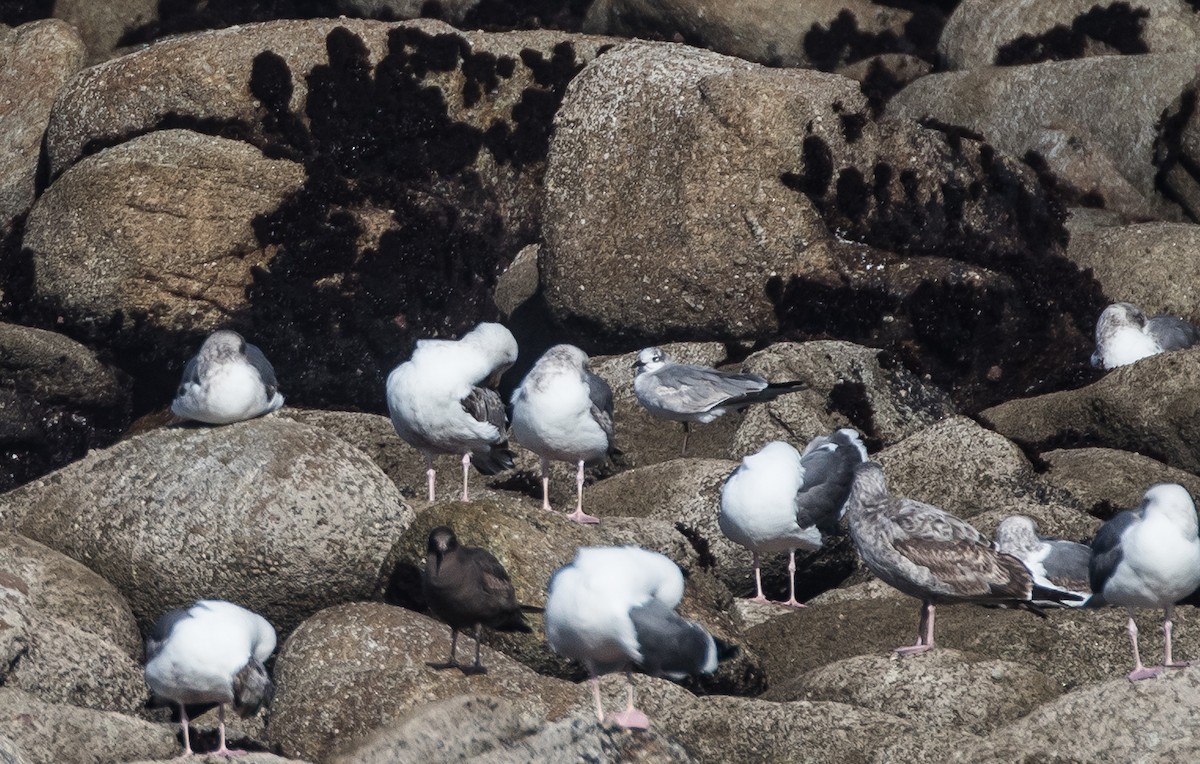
(1054, 563)
(1125, 335)
(228, 380)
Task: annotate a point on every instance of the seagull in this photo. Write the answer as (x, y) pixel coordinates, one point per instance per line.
(687, 393)
(781, 499)
(1148, 557)
(438, 405)
(228, 381)
(1125, 335)
(932, 555)
(1054, 563)
(614, 607)
(564, 412)
(467, 586)
(212, 652)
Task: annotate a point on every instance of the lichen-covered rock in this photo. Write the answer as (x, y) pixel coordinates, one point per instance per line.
(982, 33)
(1150, 407)
(819, 34)
(103, 25)
(37, 60)
(57, 400)
(354, 668)
(282, 518)
(52, 733)
(944, 689)
(1147, 264)
(1106, 480)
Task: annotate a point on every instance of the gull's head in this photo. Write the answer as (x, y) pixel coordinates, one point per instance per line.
(441, 541)
(495, 341)
(1172, 501)
(650, 360)
(565, 356)
(774, 455)
(223, 343)
(1121, 337)
(1017, 534)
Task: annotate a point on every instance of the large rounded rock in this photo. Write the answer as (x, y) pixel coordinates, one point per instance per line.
(104, 25)
(354, 668)
(820, 34)
(37, 59)
(58, 400)
(945, 689)
(49, 733)
(157, 230)
(788, 171)
(1121, 118)
(279, 517)
(848, 386)
(1148, 264)
(1116, 721)
(1106, 480)
(1150, 407)
(983, 33)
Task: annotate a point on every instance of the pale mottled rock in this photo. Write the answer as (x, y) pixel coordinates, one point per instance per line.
(1147, 264)
(1105, 479)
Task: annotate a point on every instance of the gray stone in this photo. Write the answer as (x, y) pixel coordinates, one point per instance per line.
(1105, 480)
(51, 733)
(102, 25)
(158, 229)
(282, 518)
(36, 59)
(1147, 264)
(56, 369)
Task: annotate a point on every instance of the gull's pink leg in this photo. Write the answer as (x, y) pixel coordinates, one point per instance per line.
(1167, 662)
(1139, 671)
(924, 634)
(546, 484)
(579, 515)
(596, 697)
(222, 750)
(631, 718)
(429, 473)
(466, 471)
(758, 581)
(187, 741)
(791, 600)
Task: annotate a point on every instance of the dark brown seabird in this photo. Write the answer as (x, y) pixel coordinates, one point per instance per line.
(467, 586)
(934, 556)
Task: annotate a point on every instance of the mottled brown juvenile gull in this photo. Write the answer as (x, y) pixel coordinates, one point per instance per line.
(1054, 563)
(780, 499)
(1125, 335)
(564, 412)
(1148, 557)
(614, 607)
(688, 393)
(228, 380)
(467, 586)
(212, 652)
(439, 406)
(932, 555)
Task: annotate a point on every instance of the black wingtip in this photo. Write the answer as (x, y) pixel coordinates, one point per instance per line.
(514, 622)
(498, 459)
(726, 650)
(1055, 595)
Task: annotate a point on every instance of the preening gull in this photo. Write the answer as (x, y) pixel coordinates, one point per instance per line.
(564, 412)
(212, 652)
(1125, 335)
(1148, 557)
(467, 586)
(1054, 563)
(613, 608)
(439, 405)
(688, 393)
(779, 499)
(228, 380)
(932, 555)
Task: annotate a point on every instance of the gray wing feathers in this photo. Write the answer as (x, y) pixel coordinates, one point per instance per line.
(695, 389)
(1067, 561)
(1172, 333)
(1106, 550)
(486, 405)
(265, 371)
(601, 396)
(162, 631)
(828, 477)
(669, 644)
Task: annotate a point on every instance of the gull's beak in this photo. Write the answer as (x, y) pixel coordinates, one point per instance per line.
(437, 561)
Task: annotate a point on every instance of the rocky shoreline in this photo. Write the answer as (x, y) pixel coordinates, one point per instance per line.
(917, 208)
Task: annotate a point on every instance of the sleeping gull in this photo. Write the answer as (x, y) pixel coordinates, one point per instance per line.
(932, 555)
(438, 405)
(213, 652)
(1148, 557)
(228, 380)
(688, 393)
(781, 500)
(1125, 335)
(1054, 563)
(564, 412)
(467, 586)
(614, 607)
